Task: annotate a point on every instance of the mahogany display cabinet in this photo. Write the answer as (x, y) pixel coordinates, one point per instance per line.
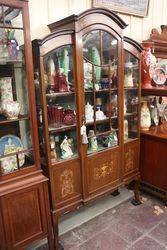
(24, 203)
(80, 93)
(154, 140)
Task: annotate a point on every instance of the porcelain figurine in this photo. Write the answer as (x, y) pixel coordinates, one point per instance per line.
(111, 140)
(66, 148)
(100, 115)
(92, 141)
(128, 78)
(62, 81)
(89, 113)
(88, 75)
(145, 121)
(125, 105)
(53, 148)
(126, 130)
(98, 103)
(11, 109)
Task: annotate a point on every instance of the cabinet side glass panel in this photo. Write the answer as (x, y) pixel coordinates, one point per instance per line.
(100, 52)
(131, 96)
(16, 150)
(61, 104)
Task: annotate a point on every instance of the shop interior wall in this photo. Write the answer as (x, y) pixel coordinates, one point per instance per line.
(43, 12)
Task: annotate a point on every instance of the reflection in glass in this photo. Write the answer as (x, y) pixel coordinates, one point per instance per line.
(100, 51)
(131, 96)
(58, 70)
(63, 145)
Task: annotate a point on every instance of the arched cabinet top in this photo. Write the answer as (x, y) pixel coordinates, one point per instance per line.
(94, 16)
(47, 44)
(132, 46)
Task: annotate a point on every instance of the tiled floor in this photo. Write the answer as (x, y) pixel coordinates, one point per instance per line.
(121, 228)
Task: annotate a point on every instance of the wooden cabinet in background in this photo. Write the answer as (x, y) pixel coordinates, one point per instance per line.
(154, 141)
(24, 202)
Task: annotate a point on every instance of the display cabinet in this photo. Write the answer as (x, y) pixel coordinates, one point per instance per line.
(153, 132)
(79, 90)
(24, 203)
(132, 93)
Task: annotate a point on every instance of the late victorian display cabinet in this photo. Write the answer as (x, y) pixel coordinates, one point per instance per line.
(82, 113)
(154, 136)
(24, 203)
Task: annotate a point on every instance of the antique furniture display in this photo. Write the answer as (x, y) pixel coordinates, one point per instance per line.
(24, 202)
(79, 91)
(131, 106)
(153, 134)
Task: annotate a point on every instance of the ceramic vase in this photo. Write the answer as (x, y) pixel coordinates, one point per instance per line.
(6, 89)
(128, 78)
(11, 109)
(145, 121)
(148, 62)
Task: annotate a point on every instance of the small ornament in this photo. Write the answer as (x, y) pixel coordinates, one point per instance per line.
(53, 148)
(89, 113)
(66, 148)
(93, 141)
(100, 115)
(126, 130)
(128, 78)
(84, 135)
(145, 121)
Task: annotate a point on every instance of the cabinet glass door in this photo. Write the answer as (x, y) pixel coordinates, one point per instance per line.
(61, 106)
(16, 150)
(100, 56)
(131, 96)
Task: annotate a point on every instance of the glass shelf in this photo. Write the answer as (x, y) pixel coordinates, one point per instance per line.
(21, 117)
(62, 128)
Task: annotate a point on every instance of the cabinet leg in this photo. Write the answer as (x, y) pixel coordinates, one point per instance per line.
(136, 201)
(57, 245)
(115, 193)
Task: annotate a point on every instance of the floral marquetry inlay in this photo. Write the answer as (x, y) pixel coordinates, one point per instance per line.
(103, 170)
(67, 182)
(129, 159)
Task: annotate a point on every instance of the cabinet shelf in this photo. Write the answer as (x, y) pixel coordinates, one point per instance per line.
(100, 149)
(102, 121)
(62, 128)
(130, 140)
(101, 90)
(16, 153)
(20, 118)
(130, 88)
(59, 94)
(130, 114)
(6, 62)
(156, 131)
(56, 161)
(157, 91)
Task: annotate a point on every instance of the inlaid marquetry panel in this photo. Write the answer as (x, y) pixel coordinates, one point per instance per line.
(131, 157)
(65, 181)
(103, 169)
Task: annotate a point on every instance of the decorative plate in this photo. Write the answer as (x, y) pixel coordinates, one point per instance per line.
(10, 144)
(159, 76)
